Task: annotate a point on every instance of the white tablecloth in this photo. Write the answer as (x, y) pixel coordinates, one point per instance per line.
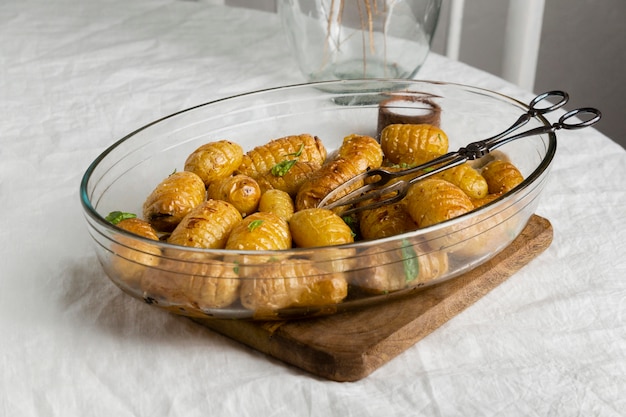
(76, 75)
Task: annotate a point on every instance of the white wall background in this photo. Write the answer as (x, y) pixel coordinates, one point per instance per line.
(583, 50)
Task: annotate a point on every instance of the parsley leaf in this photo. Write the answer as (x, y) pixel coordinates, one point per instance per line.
(115, 217)
(409, 261)
(254, 224)
(281, 168)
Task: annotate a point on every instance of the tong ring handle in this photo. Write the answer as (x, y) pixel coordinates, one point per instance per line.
(589, 117)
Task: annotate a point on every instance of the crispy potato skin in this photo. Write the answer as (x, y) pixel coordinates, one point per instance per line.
(291, 283)
(413, 144)
(240, 190)
(319, 227)
(215, 160)
(434, 200)
(260, 231)
(173, 199)
(385, 221)
(357, 154)
(324, 180)
(277, 202)
(261, 159)
(501, 176)
(207, 226)
(364, 150)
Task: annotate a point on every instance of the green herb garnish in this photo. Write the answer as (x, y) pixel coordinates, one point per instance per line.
(353, 223)
(409, 261)
(115, 217)
(254, 224)
(298, 152)
(283, 167)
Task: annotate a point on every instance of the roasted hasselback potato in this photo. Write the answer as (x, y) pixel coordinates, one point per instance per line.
(319, 227)
(434, 200)
(260, 231)
(467, 179)
(501, 176)
(192, 282)
(172, 199)
(133, 256)
(323, 181)
(303, 148)
(138, 227)
(207, 226)
(357, 154)
(413, 144)
(215, 160)
(291, 283)
(385, 221)
(364, 151)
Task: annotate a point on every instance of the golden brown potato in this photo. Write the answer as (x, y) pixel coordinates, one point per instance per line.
(323, 181)
(172, 199)
(133, 257)
(139, 227)
(289, 179)
(214, 160)
(434, 200)
(479, 202)
(207, 226)
(392, 270)
(303, 148)
(356, 155)
(467, 179)
(363, 151)
(241, 191)
(277, 202)
(319, 227)
(291, 283)
(501, 176)
(192, 283)
(260, 231)
(385, 221)
(413, 144)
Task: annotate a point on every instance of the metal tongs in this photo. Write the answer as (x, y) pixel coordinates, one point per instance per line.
(382, 193)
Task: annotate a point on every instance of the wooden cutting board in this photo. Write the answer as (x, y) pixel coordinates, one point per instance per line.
(349, 346)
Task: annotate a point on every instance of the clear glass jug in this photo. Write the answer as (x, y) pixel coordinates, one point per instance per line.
(354, 39)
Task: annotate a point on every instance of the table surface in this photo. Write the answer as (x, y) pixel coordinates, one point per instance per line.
(76, 75)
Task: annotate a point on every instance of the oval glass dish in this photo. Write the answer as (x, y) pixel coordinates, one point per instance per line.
(291, 283)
